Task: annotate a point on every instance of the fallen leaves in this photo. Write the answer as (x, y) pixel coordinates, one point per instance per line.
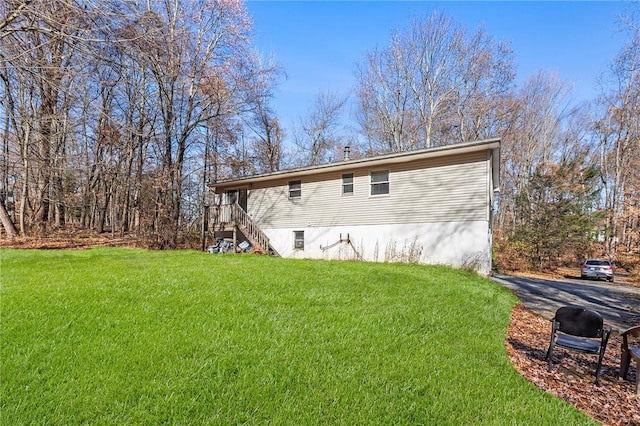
(614, 402)
(71, 239)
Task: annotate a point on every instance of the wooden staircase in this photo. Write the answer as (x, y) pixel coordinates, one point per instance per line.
(233, 215)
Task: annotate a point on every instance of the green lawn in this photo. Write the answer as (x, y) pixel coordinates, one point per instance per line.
(123, 336)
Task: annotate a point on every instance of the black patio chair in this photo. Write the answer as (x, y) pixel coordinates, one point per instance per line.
(579, 329)
(630, 352)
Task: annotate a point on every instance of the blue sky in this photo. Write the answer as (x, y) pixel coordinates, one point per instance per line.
(319, 42)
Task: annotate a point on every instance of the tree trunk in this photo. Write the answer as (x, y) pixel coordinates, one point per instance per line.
(7, 224)
(60, 211)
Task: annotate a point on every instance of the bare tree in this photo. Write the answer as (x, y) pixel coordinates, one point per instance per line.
(267, 146)
(320, 133)
(267, 134)
(384, 102)
(41, 43)
(533, 137)
(11, 11)
(185, 46)
(434, 85)
(618, 133)
(484, 85)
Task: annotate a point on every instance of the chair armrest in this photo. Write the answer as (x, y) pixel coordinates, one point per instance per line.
(631, 331)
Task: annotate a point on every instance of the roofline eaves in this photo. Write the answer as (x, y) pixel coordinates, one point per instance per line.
(393, 158)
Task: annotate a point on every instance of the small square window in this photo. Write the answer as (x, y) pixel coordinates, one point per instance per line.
(347, 184)
(298, 240)
(295, 189)
(380, 182)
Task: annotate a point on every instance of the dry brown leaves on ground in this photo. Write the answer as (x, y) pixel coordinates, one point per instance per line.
(613, 402)
(71, 240)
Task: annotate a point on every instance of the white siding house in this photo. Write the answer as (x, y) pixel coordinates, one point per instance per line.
(430, 206)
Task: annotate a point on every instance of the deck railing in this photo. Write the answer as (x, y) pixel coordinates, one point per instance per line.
(221, 215)
(233, 214)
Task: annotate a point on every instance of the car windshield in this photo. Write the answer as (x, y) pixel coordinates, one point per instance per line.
(598, 262)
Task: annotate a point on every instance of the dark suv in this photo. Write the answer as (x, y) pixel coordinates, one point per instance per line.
(597, 268)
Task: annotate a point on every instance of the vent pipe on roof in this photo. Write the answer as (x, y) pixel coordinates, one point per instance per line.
(347, 151)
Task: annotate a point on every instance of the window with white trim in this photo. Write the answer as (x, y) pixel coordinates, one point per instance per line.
(379, 182)
(295, 189)
(347, 183)
(298, 240)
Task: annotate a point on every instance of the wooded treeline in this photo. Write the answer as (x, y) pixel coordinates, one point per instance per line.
(109, 107)
(115, 114)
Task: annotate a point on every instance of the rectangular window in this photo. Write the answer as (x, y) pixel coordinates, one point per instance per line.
(379, 182)
(295, 189)
(298, 240)
(347, 183)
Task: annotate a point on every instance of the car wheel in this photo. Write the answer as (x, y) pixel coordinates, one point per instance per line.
(611, 279)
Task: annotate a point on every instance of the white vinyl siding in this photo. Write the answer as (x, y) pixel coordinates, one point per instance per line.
(452, 188)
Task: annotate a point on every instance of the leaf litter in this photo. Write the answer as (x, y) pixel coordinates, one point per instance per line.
(572, 378)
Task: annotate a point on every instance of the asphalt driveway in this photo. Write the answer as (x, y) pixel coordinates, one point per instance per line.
(618, 303)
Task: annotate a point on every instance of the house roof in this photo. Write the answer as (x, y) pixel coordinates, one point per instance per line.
(399, 157)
